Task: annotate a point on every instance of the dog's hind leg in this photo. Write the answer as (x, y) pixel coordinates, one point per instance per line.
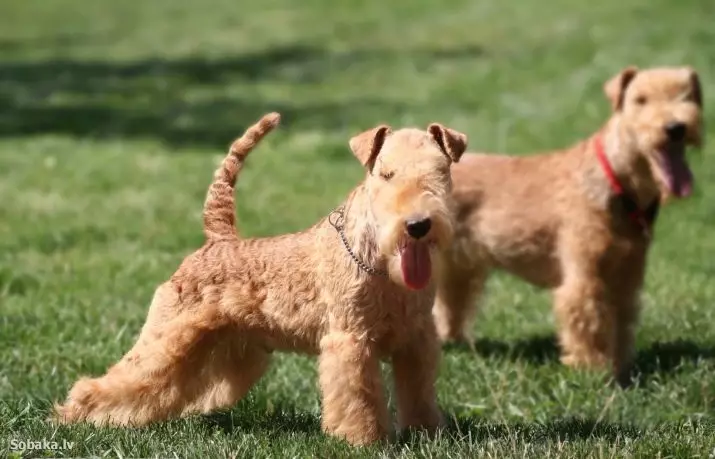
(191, 362)
(229, 369)
(456, 302)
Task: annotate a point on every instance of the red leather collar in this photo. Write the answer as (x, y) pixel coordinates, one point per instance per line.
(644, 219)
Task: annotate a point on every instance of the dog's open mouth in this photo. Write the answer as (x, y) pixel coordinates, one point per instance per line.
(675, 170)
(416, 263)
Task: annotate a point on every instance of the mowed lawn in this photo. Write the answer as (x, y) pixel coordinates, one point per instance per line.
(114, 114)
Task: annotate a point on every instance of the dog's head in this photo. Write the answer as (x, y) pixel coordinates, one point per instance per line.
(409, 191)
(659, 114)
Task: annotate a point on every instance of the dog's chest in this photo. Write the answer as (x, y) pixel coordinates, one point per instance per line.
(396, 313)
(624, 259)
(380, 310)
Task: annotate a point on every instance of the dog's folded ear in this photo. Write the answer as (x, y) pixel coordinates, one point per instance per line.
(697, 89)
(367, 145)
(451, 142)
(615, 88)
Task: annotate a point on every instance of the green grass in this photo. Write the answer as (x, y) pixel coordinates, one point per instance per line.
(113, 115)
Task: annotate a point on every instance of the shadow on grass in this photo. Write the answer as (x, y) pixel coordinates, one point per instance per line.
(659, 358)
(288, 419)
(194, 100)
(536, 350)
(666, 358)
(280, 418)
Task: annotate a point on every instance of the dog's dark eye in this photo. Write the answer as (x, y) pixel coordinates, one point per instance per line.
(387, 175)
(641, 100)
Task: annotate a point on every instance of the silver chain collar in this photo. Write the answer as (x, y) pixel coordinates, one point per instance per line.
(337, 220)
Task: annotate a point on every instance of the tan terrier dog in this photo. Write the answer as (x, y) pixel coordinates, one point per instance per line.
(578, 221)
(355, 288)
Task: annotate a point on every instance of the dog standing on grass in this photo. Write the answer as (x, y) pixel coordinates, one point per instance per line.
(579, 221)
(355, 288)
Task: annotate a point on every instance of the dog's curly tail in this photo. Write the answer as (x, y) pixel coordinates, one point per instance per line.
(219, 210)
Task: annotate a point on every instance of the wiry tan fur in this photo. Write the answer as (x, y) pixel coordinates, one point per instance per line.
(212, 327)
(552, 220)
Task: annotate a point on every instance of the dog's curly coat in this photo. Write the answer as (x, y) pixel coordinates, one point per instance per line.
(559, 221)
(211, 328)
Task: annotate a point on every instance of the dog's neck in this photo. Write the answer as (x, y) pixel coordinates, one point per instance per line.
(630, 169)
(360, 230)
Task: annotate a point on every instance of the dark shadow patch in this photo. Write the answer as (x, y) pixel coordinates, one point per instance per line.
(666, 358)
(280, 418)
(663, 358)
(284, 418)
(148, 98)
(13, 282)
(213, 123)
(537, 350)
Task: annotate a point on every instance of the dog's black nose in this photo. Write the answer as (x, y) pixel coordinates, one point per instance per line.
(419, 228)
(675, 130)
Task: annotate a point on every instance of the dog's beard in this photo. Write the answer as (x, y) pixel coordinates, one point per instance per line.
(411, 262)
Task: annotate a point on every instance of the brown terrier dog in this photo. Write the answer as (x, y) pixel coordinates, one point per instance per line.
(355, 288)
(578, 221)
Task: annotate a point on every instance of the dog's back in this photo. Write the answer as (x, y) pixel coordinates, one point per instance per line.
(510, 209)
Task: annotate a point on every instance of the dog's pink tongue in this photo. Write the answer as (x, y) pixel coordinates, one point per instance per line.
(680, 179)
(416, 265)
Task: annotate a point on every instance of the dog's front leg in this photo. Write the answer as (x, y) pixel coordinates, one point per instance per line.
(627, 311)
(415, 369)
(586, 324)
(354, 405)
